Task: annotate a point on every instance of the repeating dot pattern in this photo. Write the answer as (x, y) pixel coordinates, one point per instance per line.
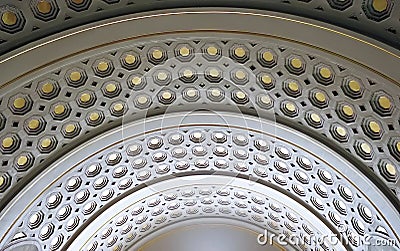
(200, 201)
(22, 21)
(357, 113)
(109, 174)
